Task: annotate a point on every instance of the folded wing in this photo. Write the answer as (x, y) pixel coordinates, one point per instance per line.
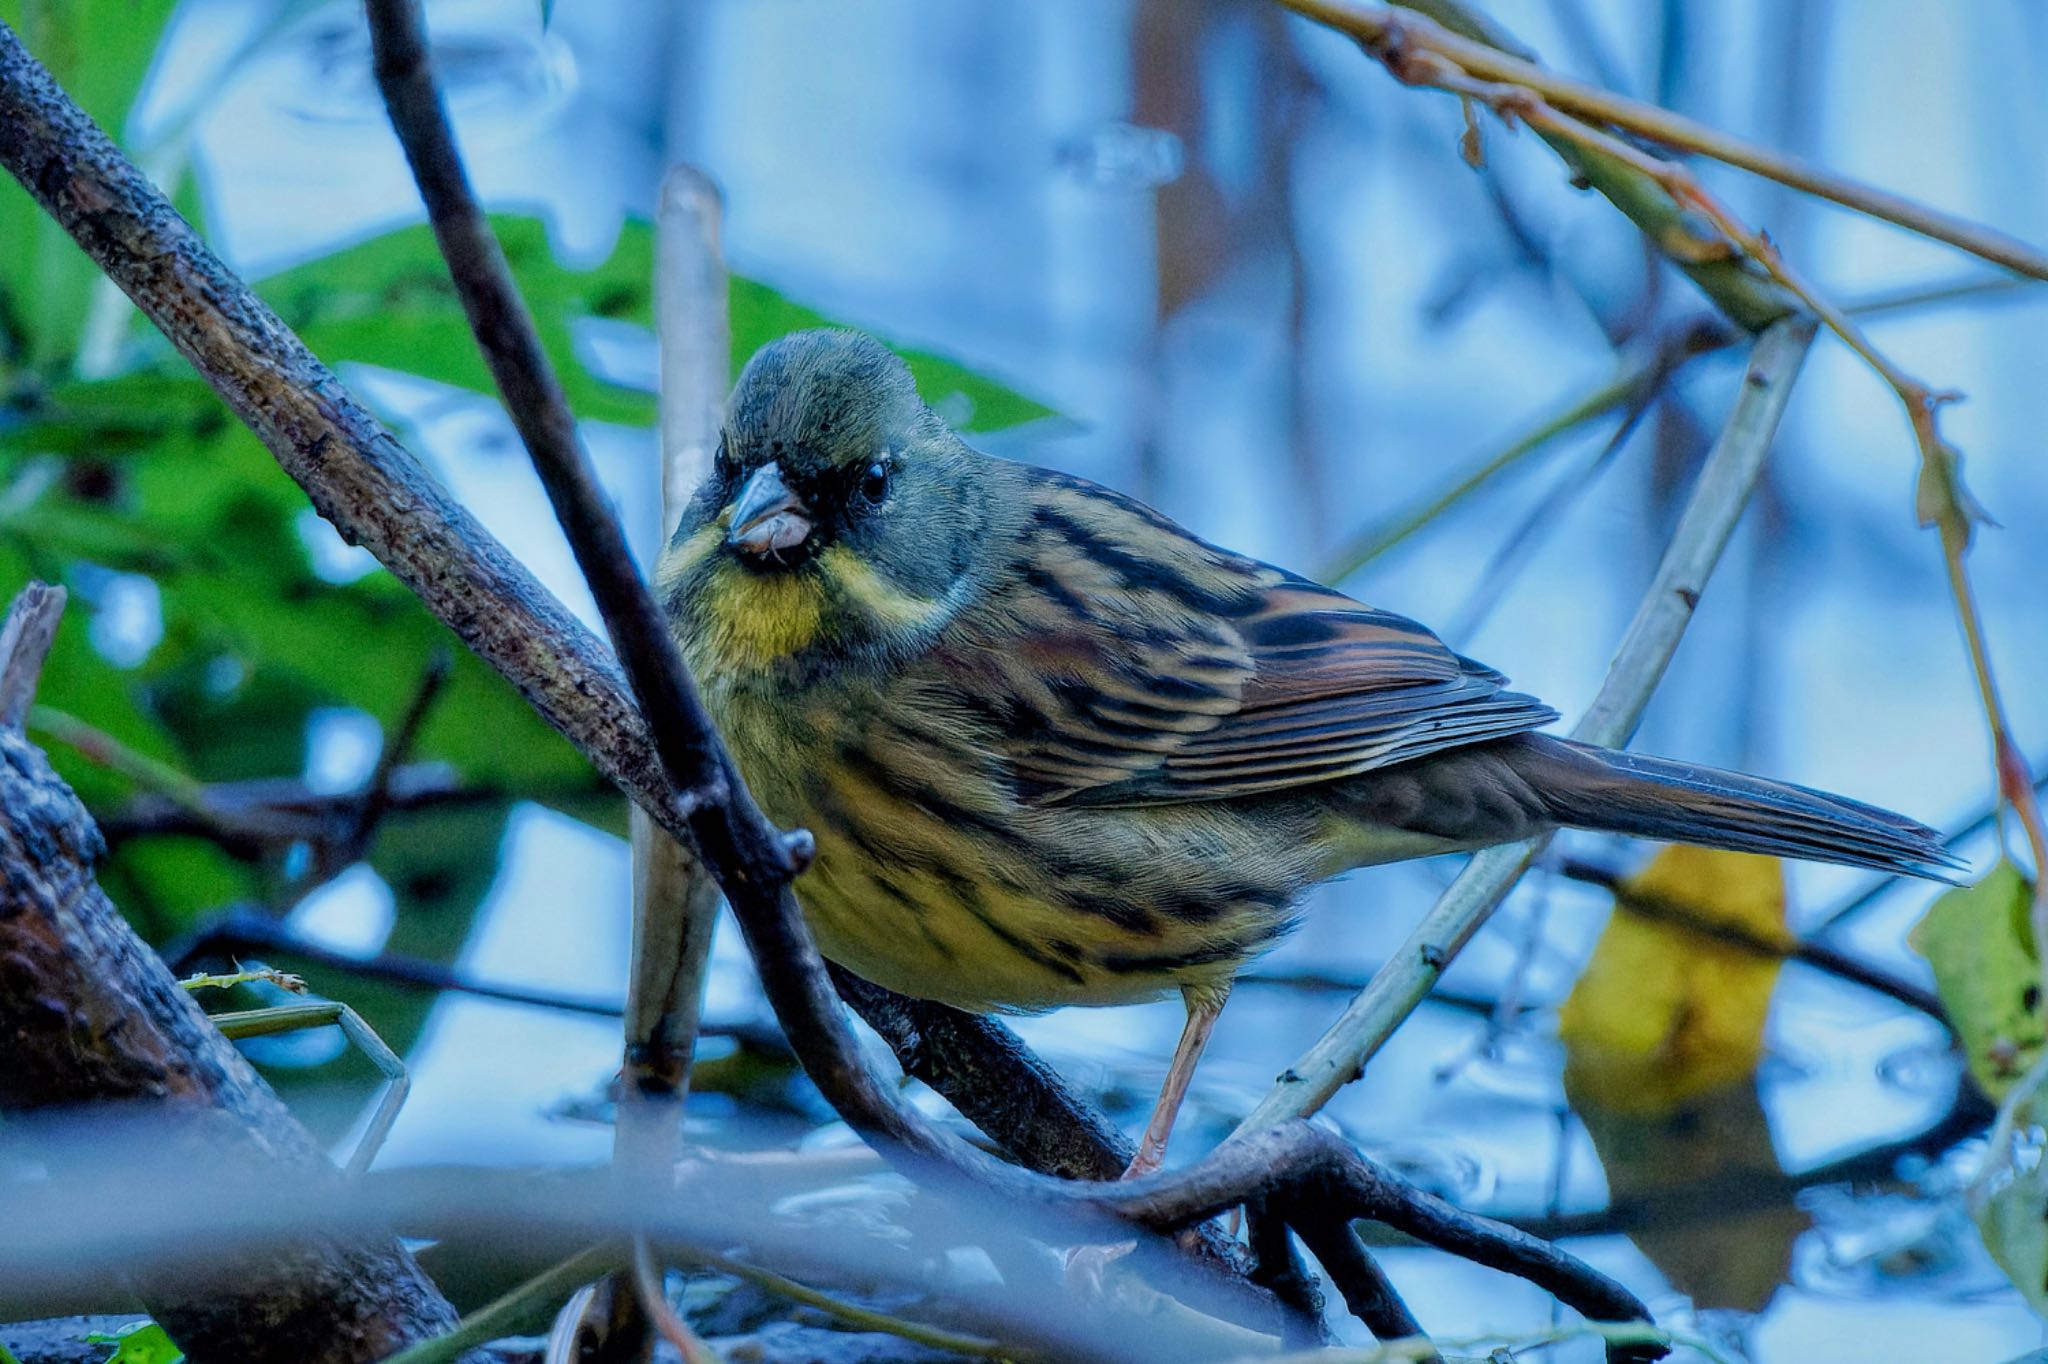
(1133, 664)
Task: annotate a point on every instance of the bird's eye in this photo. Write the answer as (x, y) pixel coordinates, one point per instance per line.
(874, 482)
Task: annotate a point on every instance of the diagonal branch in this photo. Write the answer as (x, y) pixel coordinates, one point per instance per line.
(534, 400)
(1709, 519)
(1420, 52)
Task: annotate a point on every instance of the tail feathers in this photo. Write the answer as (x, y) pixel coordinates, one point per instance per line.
(1648, 797)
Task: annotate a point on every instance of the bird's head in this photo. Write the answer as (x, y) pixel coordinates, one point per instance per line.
(840, 510)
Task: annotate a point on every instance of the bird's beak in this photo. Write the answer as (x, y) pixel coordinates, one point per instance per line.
(768, 518)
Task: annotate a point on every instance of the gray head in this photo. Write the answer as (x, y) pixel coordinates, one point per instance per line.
(830, 467)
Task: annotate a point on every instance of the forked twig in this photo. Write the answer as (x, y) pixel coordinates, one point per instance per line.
(1411, 30)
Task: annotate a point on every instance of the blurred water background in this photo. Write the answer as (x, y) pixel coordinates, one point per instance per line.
(1262, 291)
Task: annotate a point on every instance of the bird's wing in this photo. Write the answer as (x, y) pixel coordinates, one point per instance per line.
(1128, 663)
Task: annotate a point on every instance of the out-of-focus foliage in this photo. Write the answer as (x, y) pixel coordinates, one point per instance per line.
(99, 51)
(1987, 969)
(388, 301)
(1665, 1012)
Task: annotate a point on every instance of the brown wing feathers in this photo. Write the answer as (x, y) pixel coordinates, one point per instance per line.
(1163, 669)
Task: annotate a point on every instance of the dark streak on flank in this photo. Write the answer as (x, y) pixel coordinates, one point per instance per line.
(971, 901)
(1129, 964)
(918, 916)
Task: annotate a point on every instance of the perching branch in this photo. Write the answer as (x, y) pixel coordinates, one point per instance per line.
(1703, 529)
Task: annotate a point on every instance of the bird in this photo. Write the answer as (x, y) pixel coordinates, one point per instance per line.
(1055, 750)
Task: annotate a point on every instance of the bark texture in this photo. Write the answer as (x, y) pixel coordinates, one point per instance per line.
(89, 1014)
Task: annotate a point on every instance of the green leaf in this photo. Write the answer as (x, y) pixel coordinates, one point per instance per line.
(7, 1356)
(388, 301)
(254, 640)
(1979, 940)
(100, 52)
(143, 1343)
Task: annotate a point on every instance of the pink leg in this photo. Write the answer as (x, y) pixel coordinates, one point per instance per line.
(1203, 1007)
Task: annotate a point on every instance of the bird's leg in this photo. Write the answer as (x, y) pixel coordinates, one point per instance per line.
(1203, 1004)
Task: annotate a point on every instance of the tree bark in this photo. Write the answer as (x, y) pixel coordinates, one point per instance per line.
(89, 1015)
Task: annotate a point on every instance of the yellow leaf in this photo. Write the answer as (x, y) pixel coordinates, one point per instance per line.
(1669, 1007)
(1980, 942)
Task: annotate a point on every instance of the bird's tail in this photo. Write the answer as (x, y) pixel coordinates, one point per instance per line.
(1611, 791)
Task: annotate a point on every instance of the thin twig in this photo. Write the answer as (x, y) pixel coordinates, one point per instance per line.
(102, 749)
(1351, 982)
(1547, 513)
(1715, 506)
(856, 1316)
(1830, 960)
(516, 1310)
(534, 401)
(1943, 501)
(398, 746)
(286, 810)
(1675, 348)
(239, 929)
(1379, 25)
(1716, 1197)
(647, 1282)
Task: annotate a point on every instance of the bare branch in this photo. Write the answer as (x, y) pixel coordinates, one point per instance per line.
(1367, 1291)
(1710, 515)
